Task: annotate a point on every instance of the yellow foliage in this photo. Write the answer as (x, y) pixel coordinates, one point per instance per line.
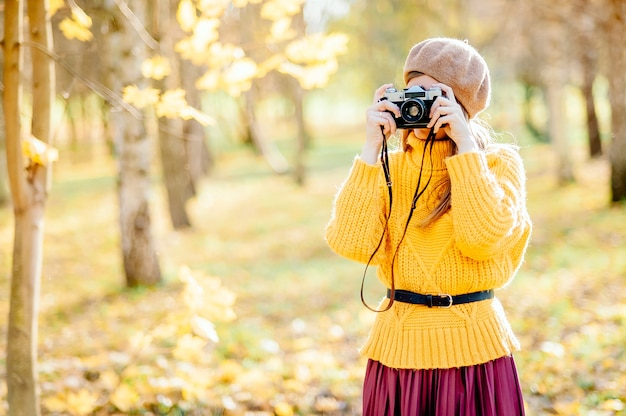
(188, 112)
(171, 103)
(270, 64)
(188, 50)
(209, 81)
(140, 98)
(189, 348)
(205, 33)
(309, 77)
(317, 48)
(204, 328)
(74, 30)
(229, 371)
(55, 5)
(215, 55)
(281, 30)
(277, 9)
(157, 67)
(614, 404)
(81, 403)
(125, 397)
(240, 71)
(80, 16)
(243, 3)
(205, 296)
(235, 77)
(194, 393)
(56, 403)
(212, 8)
(283, 409)
(109, 379)
(186, 15)
(38, 152)
(77, 27)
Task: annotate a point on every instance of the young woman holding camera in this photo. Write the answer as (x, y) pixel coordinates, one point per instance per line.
(444, 220)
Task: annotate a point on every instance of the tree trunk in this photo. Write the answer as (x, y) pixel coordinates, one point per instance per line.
(4, 188)
(266, 147)
(302, 136)
(527, 104)
(555, 79)
(593, 129)
(172, 146)
(200, 158)
(584, 33)
(134, 151)
(174, 162)
(29, 187)
(617, 98)
(297, 93)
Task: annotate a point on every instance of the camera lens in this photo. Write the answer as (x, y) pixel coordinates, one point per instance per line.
(412, 110)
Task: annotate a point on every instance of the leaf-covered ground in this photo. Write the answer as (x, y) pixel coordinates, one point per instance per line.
(285, 309)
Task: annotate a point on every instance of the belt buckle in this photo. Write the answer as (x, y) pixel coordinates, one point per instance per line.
(445, 296)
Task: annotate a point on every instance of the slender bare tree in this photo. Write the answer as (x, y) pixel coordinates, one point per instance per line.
(4, 181)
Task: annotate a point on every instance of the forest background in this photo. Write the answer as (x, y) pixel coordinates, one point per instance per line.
(175, 202)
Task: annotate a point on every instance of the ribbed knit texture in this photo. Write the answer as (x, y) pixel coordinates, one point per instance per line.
(478, 244)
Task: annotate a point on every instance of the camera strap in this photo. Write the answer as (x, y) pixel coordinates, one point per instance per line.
(384, 158)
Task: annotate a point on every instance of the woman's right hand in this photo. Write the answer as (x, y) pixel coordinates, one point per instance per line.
(380, 113)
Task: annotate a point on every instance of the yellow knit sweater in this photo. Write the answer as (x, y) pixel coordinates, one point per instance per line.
(478, 244)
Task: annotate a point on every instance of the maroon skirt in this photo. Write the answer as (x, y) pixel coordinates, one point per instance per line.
(489, 389)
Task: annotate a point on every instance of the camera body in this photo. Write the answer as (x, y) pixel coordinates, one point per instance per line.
(415, 104)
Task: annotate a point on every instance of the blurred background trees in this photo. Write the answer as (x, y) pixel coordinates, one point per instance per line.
(552, 51)
(167, 88)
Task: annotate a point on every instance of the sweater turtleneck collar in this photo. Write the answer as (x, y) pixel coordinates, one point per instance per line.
(441, 149)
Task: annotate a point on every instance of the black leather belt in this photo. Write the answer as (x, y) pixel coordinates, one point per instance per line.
(439, 301)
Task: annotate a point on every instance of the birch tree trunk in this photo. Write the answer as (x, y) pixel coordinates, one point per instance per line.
(134, 151)
(29, 187)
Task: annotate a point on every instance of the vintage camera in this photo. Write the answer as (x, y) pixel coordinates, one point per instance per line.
(415, 103)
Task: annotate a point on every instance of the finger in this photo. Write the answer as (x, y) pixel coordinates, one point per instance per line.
(443, 110)
(442, 122)
(380, 91)
(387, 106)
(444, 102)
(447, 91)
(380, 118)
(385, 121)
(388, 122)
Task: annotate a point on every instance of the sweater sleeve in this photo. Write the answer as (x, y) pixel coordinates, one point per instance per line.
(489, 202)
(358, 217)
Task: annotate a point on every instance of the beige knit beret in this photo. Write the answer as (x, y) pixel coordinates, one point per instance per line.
(454, 63)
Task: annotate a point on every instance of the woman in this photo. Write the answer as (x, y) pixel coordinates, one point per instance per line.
(445, 221)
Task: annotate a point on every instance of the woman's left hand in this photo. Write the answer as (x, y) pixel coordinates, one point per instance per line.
(447, 114)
